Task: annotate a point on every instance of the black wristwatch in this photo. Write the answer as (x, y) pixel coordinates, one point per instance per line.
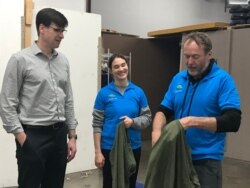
(70, 136)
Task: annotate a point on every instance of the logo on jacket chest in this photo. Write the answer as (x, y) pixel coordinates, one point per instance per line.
(112, 97)
(178, 88)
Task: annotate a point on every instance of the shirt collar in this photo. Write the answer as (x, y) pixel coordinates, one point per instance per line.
(36, 50)
(204, 74)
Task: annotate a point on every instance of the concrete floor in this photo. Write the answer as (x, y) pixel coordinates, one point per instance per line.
(236, 174)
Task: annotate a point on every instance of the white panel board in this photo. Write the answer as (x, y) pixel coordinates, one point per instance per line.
(79, 5)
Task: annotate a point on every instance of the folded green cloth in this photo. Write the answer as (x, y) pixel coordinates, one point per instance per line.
(122, 160)
(170, 164)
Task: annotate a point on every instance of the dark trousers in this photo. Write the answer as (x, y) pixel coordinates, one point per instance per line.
(106, 171)
(209, 173)
(42, 159)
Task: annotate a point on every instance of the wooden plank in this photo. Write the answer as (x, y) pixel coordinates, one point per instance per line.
(196, 27)
(28, 11)
(28, 7)
(109, 31)
(240, 26)
(27, 35)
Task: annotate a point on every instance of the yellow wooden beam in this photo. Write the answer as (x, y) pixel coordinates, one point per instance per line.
(27, 36)
(28, 11)
(196, 27)
(28, 7)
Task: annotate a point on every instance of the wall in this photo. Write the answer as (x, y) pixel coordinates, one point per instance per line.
(78, 5)
(141, 16)
(80, 45)
(238, 143)
(10, 41)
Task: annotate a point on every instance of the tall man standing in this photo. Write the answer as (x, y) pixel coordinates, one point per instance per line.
(36, 105)
(205, 100)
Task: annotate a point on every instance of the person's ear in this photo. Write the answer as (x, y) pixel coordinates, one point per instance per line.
(42, 28)
(210, 53)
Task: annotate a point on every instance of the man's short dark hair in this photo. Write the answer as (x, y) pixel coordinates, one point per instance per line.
(47, 16)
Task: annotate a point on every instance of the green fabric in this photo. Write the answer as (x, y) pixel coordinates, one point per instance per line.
(170, 164)
(122, 160)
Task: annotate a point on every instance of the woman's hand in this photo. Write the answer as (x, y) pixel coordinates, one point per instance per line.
(127, 121)
(99, 160)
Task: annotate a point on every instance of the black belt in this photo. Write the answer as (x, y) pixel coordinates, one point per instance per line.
(51, 127)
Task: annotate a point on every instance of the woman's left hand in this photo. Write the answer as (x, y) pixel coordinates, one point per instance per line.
(127, 121)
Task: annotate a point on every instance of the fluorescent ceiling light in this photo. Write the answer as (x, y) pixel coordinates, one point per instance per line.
(238, 2)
